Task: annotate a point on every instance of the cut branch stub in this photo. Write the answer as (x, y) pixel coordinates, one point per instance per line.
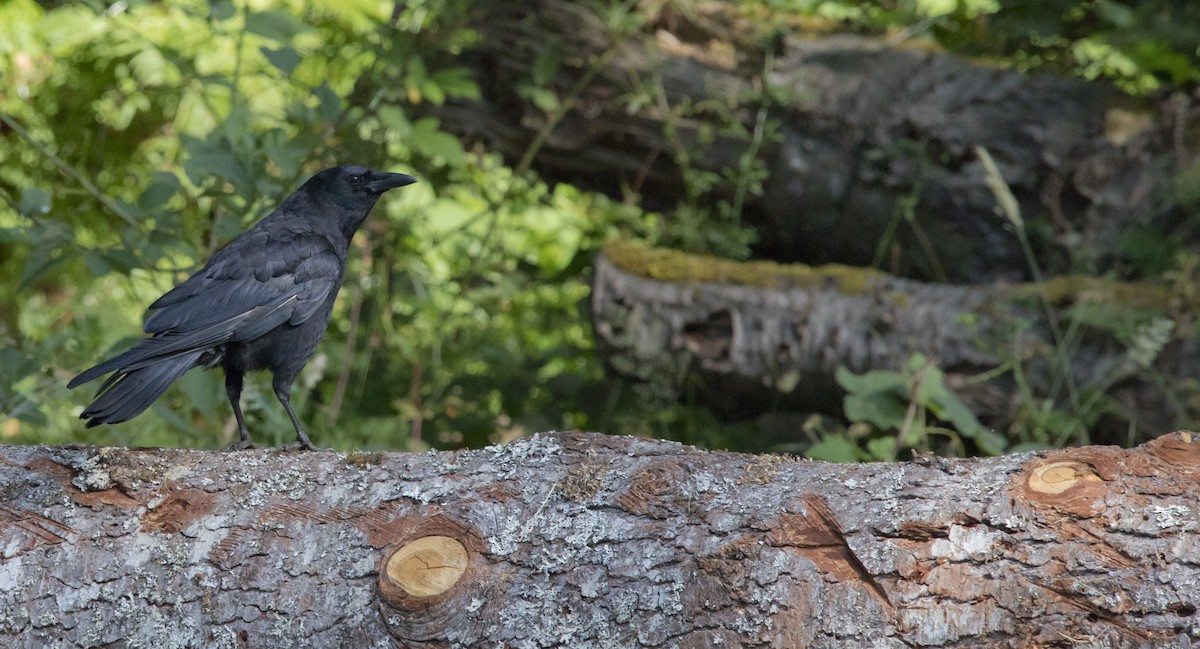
(1057, 477)
(428, 566)
(428, 577)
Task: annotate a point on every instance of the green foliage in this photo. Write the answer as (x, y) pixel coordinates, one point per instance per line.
(1141, 46)
(1061, 410)
(893, 410)
(704, 221)
(142, 136)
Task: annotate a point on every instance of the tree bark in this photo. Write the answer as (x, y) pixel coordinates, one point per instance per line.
(868, 149)
(747, 338)
(585, 540)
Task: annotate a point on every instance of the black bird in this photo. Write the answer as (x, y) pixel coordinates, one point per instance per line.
(261, 303)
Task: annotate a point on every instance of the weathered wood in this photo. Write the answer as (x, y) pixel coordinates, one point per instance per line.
(747, 338)
(584, 540)
(871, 139)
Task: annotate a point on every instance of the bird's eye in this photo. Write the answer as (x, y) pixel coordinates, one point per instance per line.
(355, 180)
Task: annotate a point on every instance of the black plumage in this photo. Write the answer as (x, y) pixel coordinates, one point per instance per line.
(261, 303)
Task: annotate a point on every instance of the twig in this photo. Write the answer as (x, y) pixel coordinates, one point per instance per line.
(914, 396)
(414, 396)
(69, 170)
(1011, 210)
(356, 303)
(756, 139)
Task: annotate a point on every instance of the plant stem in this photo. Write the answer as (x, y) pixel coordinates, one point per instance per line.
(69, 170)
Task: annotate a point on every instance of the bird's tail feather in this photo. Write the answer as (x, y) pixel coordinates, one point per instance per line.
(142, 349)
(153, 350)
(128, 392)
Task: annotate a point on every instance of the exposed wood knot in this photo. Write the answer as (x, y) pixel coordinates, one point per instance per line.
(178, 510)
(430, 565)
(657, 490)
(430, 578)
(1078, 486)
(1057, 477)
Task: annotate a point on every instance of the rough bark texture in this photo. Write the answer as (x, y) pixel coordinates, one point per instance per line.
(870, 139)
(584, 540)
(747, 338)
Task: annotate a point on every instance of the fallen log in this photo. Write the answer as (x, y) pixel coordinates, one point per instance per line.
(747, 338)
(585, 540)
(867, 149)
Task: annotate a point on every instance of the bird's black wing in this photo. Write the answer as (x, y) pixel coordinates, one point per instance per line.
(255, 284)
(258, 269)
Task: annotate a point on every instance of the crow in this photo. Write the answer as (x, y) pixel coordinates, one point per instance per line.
(261, 303)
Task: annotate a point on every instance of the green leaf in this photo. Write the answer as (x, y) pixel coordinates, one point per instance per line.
(834, 448)
(545, 66)
(103, 262)
(207, 159)
(882, 448)
(284, 58)
(1147, 248)
(330, 103)
(873, 381)
(34, 202)
(880, 409)
(944, 404)
(289, 152)
(274, 24)
(13, 402)
(40, 261)
(38, 267)
(96, 264)
(395, 121)
(14, 235)
(545, 99)
(15, 365)
(991, 442)
(414, 76)
(457, 82)
(432, 92)
(879, 398)
(27, 410)
(1115, 13)
(164, 187)
(431, 142)
(221, 9)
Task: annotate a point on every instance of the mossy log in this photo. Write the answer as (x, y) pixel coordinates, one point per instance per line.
(871, 157)
(745, 338)
(586, 541)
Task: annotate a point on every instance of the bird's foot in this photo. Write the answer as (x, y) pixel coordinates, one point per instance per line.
(241, 445)
(302, 445)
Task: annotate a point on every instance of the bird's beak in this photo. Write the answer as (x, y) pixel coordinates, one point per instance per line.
(382, 181)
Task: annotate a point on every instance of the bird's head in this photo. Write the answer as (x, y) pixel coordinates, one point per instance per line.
(354, 190)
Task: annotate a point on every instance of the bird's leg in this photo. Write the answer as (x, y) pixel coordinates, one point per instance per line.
(233, 388)
(283, 391)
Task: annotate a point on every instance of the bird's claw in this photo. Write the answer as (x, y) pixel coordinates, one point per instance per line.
(299, 445)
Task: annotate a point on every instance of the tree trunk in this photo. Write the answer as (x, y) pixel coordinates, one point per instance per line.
(867, 150)
(584, 540)
(747, 338)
